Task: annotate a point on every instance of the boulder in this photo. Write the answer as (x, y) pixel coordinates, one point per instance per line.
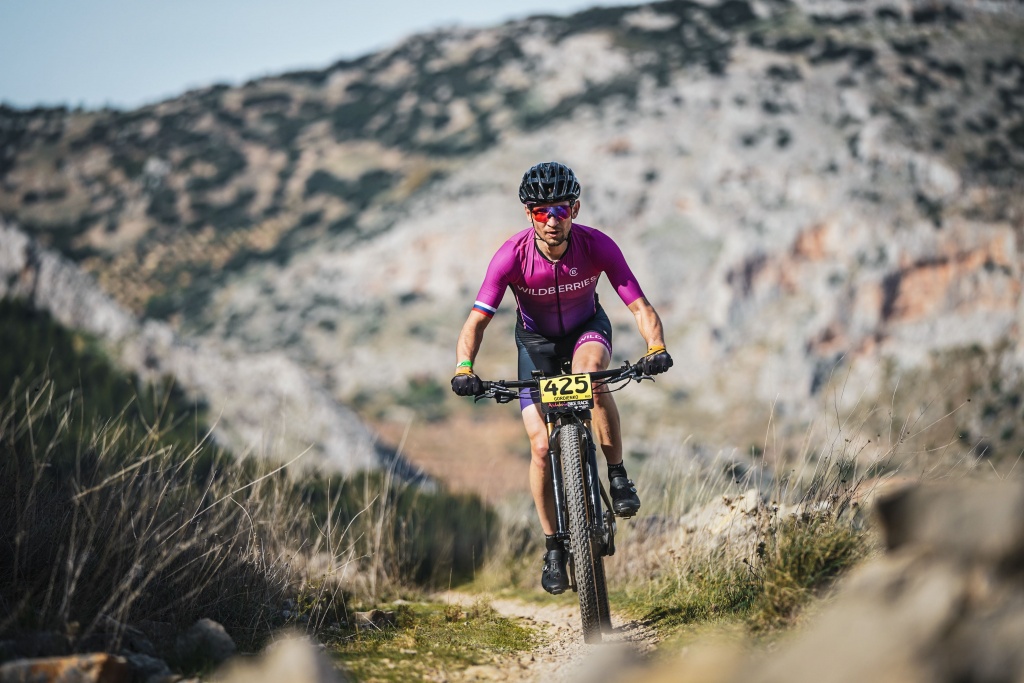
(983, 522)
(206, 642)
(93, 668)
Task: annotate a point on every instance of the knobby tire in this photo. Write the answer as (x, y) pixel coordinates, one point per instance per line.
(586, 558)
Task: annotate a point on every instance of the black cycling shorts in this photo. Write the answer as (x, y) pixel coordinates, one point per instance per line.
(550, 354)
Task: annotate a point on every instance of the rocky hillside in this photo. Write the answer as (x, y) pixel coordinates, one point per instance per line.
(260, 404)
(823, 200)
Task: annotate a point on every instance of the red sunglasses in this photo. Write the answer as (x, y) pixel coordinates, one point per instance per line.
(544, 213)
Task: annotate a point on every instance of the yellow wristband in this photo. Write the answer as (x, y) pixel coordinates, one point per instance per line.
(463, 370)
(655, 349)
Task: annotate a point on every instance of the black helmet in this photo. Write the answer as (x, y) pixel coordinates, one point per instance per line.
(549, 183)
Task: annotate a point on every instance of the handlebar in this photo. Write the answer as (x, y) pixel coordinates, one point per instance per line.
(502, 390)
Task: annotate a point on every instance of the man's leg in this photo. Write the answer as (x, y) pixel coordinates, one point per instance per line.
(540, 468)
(553, 578)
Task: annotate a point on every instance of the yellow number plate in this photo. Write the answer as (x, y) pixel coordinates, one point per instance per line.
(566, 388)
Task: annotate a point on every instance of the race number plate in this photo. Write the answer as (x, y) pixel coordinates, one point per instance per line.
(573, 391)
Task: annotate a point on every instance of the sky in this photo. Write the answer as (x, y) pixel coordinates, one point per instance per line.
(126, 53)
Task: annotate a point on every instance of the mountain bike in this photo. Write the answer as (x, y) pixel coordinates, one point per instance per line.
(585, 522)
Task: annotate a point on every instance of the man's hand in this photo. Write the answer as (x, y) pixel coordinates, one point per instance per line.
(656, 361)
(465, 383)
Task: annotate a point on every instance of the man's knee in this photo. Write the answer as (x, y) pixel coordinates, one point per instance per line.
(539, 452)
(604, 399)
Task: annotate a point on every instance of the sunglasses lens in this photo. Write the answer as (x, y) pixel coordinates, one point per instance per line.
(543, 213)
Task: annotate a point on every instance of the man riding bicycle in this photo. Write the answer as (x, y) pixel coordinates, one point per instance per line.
(553, 268)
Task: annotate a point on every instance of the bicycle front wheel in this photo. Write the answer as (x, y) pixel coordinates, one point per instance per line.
(586, 559)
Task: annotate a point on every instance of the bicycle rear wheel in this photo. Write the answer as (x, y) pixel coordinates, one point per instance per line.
(586, 558)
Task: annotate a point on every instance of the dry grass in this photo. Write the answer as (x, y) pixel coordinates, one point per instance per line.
(112, 519)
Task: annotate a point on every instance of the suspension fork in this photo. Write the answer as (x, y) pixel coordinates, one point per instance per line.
(555, 455)
(593, 479)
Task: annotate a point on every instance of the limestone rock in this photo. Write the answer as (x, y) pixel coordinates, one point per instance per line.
(729, 524)
(981, 523)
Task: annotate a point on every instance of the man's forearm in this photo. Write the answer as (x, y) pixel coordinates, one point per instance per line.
(648, 322)
(470, 338)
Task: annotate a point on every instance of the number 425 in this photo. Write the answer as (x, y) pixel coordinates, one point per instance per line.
(576, 384)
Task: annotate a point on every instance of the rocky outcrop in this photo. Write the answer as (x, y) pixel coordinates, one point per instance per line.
(260, 403)
(944, 603)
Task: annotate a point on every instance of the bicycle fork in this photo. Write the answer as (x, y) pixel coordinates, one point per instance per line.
(603, 522)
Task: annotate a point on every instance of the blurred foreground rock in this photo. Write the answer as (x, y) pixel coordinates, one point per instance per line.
(945, 603)
(94, 668)
(292, 659)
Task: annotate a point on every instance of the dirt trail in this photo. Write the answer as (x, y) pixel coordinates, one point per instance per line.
(563, 657)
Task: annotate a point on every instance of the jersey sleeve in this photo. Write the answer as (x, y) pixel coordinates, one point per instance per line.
(496, 281)
(613, 263)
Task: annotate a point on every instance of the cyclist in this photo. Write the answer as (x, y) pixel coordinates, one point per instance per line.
(552, 269)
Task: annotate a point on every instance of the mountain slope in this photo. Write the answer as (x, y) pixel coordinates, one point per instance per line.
(815, 196)
(258, 403)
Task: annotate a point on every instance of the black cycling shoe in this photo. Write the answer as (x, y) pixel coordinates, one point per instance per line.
(554, 578)
(625, 502)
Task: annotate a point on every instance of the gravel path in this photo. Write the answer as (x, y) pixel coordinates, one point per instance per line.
(563, 657)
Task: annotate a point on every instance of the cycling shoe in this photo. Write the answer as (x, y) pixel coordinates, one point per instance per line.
(554, 578)
(625, 502)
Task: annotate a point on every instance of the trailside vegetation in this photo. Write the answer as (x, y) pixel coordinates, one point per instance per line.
(117, 504)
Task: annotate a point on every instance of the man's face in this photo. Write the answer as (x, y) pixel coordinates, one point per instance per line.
(552, 222)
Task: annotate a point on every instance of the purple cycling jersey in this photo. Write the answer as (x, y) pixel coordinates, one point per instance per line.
(556, 297)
